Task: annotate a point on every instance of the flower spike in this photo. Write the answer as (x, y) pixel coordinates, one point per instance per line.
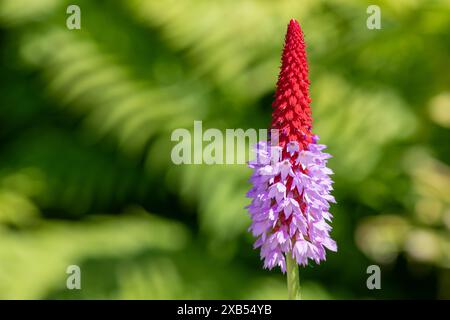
(291, 183)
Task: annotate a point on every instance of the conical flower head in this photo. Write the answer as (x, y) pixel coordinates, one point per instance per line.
(291, 184)
(292, 112)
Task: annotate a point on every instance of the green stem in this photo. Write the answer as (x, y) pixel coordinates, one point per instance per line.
(293, 279)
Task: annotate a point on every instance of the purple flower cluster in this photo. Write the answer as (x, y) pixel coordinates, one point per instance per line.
(290, 203)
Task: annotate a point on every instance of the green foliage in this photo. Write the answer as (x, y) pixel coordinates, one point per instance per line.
(85, 123)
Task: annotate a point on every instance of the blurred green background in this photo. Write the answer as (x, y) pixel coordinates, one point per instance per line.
(85, 123)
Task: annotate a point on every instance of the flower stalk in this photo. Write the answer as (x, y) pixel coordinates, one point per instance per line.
(293, 278)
